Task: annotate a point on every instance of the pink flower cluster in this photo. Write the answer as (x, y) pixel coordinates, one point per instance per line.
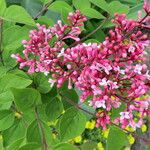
(112, 73)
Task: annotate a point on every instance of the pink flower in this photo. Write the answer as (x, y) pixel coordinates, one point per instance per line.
(100, 103)
(146, 6)
(109, 73)
(125, 115)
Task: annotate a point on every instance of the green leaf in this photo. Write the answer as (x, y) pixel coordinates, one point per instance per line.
(72, 124)
(54, 109)
(21, 73)
(33, 7)
(41, 83)
(17, 35)
(133, 11)
(65, 146)
(3, 71)
(26, 98)
(89, 146)
(6, 119)
(92, 13)
(15, 145)
(101, 4)
(64, 15)
(46, 1)
(35, 133)
(81, 4)
(18, 14)
(6, 97)
(30, 146)
(11, 80)
(116, 139)
(91, 41)
(17, 131)
(6, 105)
(70, 95)
(88, 108)
(2, 7)
(148, 147)
(117, 7)
(57, 6)
(46, 21)
(10, 2)
(116, 111)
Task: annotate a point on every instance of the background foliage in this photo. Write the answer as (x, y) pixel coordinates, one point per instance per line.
(34, 116)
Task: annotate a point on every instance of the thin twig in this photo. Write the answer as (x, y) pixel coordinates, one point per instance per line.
(44, 8)
(146, 140)
(76, 105)
(1, 40)
(45, 145)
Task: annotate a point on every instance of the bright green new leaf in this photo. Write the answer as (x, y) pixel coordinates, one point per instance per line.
(11, 80)
(54, 109)
(81, 4)
(26, 98)
(117, 7)
(72, 124)
(18, 14)
(6, 119)
(2, 7)
(92, 13)
(57, 6)
(116, 139)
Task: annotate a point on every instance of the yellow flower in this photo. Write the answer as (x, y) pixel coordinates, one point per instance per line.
(78, 139)
(100, 146)
(131, 139)
(54, 136)
(18, 115)
(139, 115)
(90, 125)
(137, 99)
(127, 148)
(144, 128)
(113, 98)
(130, 129)
(1, 138)
(63, 112)
(50, 123)
(126, 41)
(105, 133)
